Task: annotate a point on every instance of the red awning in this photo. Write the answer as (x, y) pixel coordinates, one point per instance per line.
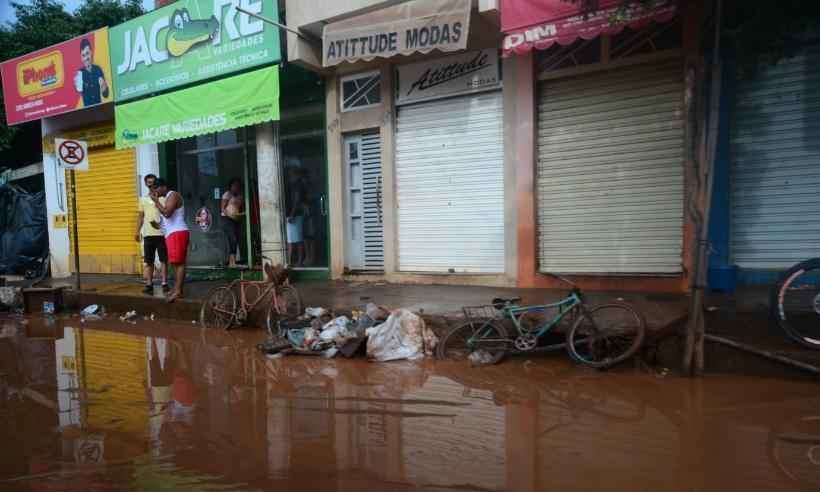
(538, 24)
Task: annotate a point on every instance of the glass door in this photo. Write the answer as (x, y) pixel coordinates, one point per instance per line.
(305, 197)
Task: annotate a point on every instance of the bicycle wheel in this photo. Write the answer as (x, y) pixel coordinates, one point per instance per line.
(218, 309)
(289, 306)
(605, 335)
(472, 336)
(795, 303)
(794, 450)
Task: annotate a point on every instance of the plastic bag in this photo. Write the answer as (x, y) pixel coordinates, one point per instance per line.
(403, 336)
(23, 229)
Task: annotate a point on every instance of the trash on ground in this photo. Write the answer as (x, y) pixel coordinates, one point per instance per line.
(90, 309)
(377, 313)
(480, 358)
(330, 353)
(403, 336)
(129, 316)
(315, 312)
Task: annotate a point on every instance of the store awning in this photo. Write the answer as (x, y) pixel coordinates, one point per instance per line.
(409, 27)
(531, 25)
(233, 102)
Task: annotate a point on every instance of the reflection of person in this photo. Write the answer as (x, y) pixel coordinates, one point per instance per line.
(176, 232)
(233, 209)
(153, 243)
(90, 80)
(296, 200)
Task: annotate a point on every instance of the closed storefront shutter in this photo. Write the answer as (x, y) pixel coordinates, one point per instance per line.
(610, 184)
(450, 185)
(107, 208)
(775, 173)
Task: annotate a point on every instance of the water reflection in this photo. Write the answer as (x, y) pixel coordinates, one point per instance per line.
(159, 407)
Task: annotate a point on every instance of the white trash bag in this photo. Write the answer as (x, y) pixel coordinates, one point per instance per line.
(403, 336)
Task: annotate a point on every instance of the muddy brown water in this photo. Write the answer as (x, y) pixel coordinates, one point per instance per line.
(156, 406)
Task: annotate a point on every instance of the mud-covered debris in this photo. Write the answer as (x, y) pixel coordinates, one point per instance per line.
(480, 358)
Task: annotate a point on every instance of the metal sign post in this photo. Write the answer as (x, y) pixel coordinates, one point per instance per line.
(74, 231)
(73, 155)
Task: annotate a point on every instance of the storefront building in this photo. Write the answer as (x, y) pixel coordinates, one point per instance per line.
(69, 88)
(205, 91)
(419, 179)
(602, 143)
(766, 215)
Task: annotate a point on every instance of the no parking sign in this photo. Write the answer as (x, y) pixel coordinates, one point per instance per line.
(71, 154)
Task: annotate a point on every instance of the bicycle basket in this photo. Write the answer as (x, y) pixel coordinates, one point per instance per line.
(480, 313)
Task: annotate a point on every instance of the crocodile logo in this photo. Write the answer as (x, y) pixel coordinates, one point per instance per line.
(184, 33)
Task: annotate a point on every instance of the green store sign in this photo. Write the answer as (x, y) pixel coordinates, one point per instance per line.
(190, 41)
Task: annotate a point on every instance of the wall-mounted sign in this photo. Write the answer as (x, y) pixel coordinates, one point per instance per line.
(71, 154)
(190, 41)
(473, 71)
(71, 75)
(409, 27)
(241, 100)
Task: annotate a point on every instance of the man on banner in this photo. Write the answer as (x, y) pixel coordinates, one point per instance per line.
(89, 81)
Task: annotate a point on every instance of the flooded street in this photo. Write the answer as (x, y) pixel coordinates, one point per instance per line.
(156, 406)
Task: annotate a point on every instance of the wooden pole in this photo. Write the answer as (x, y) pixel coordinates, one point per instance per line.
(693, 362)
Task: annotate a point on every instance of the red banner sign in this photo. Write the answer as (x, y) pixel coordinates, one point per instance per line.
(71, 75)
(538, 24)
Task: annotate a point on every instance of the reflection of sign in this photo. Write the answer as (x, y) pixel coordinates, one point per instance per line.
(89, 450)
(190, 41)
(204, 219)
(58, 79)
(473, 71)
(69, 363)
(72, 154)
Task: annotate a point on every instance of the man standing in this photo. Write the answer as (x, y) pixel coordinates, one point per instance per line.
(177, 235)
(153, 242)
(90, 80)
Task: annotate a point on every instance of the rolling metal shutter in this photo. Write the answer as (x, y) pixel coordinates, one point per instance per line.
(775, 173)
(610, 185)
(371, 160)
(107, 211)
(450, 185)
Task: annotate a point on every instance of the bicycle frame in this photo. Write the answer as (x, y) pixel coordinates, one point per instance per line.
(564, 306)
(513, 313)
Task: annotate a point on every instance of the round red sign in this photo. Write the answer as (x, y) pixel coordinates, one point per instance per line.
(71, 152)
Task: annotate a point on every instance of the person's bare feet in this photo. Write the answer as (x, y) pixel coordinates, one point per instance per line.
(173, 297)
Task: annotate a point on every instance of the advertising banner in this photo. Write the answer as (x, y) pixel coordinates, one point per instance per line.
(233, 102)
(190, 41)
(72, 75)
(473, 71)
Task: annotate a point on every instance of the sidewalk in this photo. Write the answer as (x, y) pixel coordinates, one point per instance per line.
(120, 293)
(742, 316)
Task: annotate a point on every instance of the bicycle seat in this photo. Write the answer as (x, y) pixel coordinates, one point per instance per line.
(500, 302)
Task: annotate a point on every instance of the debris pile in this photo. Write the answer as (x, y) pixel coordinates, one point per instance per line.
(373, 330)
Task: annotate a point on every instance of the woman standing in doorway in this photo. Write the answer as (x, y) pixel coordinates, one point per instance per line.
(233, 209)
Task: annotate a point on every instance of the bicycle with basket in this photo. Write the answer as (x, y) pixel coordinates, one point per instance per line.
(599, 337)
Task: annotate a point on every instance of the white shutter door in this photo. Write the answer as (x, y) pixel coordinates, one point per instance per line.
(450, 185)
(610, 171)
(775, 174)
(371, 162)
